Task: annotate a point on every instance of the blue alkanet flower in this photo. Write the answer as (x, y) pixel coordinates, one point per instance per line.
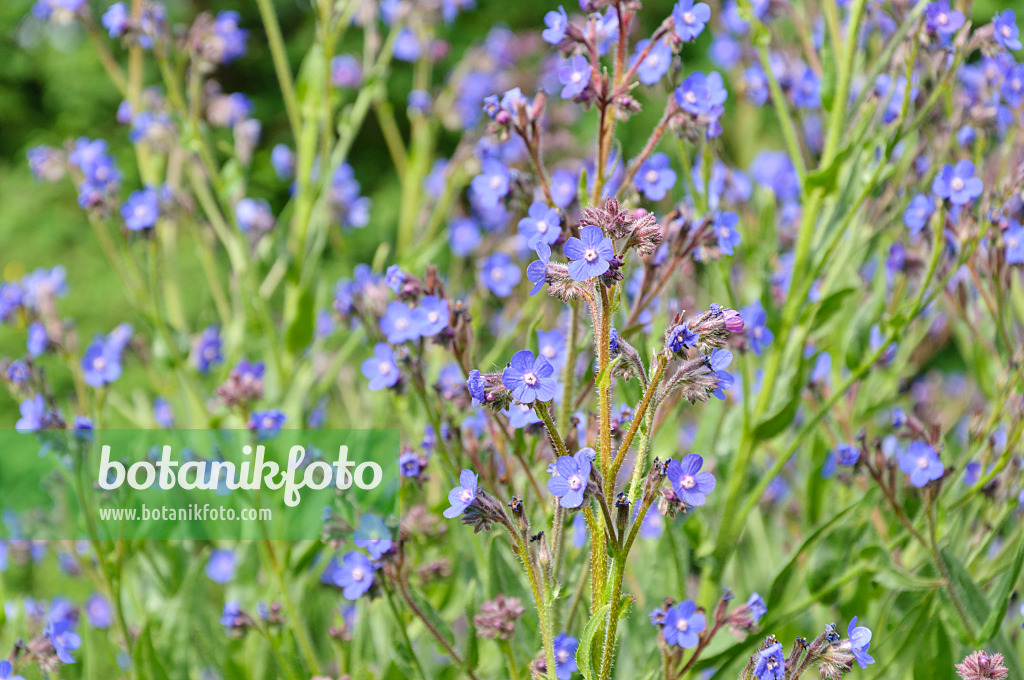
(101, 363)
(847, 454)
(1013, 238)
(373, 535)
(267, 423)
(7, 671)
(719, 359)
(232, 38)
(655, 177)
(683, 625)
(537, 271)
(922, 463)
(63, 639)
(725, 232)
(529, 378)
(690, 484)
(569, 479)
(220, 568)
(381, 369)
(207, 350)
(399, 323)
(541, 225)
(701, 94)
(860, 640)
(431, 317)
(957, 183)
(463, 495)
(565, 656)
(556, 22)
(551, 346)
(690, 19)
(499, 274)
(682, 337)
(492, 184)
(655, 65)
(589, 254)
(141, 210)
(1005, 31)
(942, 20)
(756, 606)
(918, 213)
(771, 663)
(574, 74)
(354, 575)
(759, 334)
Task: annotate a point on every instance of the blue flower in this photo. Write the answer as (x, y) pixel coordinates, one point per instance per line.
(462, 496)
(720, 360)
(564, 185)
(569, 480)
(399, 323)
(918, 213)
(682, 337)
(756, 607)
(266, 423)
(860, 640)
(690, 19)
(354, 575)
(589, 254)
(116, 19)
(18, 372)
(1013, 238)
(847, 454)
(683, 625)
(431, 317)
(499, 274)
(529, 378)
(34, 415)
(476, 385)
(381, 369)
(700, 94)
(373, 535)
(220, 568)
(574, 74)
(63, 639)
(521, 415)
(101, 363)
(346, 71)
(407, 46)
(463, 236)
(551, 346)
(410, 465)
(771, 663)
(655, 65)
(759, 334)
(958, 183)
(99, 612)
(492, 184)
(543, 225)
(1005, 29)
(37, 340)
(806, 90)
(556, 22)
(141, 210)
(725, 232)
(232, 37)
(254, 216)
(565, 656)
(537, 271)
(655, 177)
(207, 352)
(690, 484)
(941, 20)
(922, 463)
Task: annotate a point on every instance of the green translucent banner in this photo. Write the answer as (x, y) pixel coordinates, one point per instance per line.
(198, 484)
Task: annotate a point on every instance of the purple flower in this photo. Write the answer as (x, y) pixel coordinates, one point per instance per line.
(431, 317)
(589, 254)
(682, 337)
(683, 625)
(537, 271)
(771, 663)
(542, 225)
(492, 184)
(18, 372)
(399, 323)
(551, 346)
(655, 65)
(565, 656)
(381, 369)
(847, 454)
(63, 639)
(162, 413)
(725, 232)
(720, 360)
(462, 496)
(37, 340)
(759, 334)
(655, 177)
(141, 210)
(806, 92)
(700, 94)
(254, 216)
(1013, 237)
(11, 298)
(116, 19)
(354, 575)
(860, 640)
(940, 19)
(476, 385)
(463, 236)
(34, 415)
(101, 363)
(756, 607)
(529, 378)
(220, 568)
(267, 423)
(373, 536)
(918, 213)
(574, 74)
(521, 415)
(922, 463)
(407, 46)
(283, 160)
(690, 18)
(1005, 29)
(556, 22)
(564, 185)
(232, 37)
(774, 169)
(99, 612)
(207, 352)
(958, 183)
(569, 480)
(346, 71)
(690, 484)
(499, 274)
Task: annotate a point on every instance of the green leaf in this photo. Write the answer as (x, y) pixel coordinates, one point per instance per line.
(828, 177)
(828, 307)
(433, 616)
(968, 593)
(145, 657)
(604, 379)
(584, 653)
(472, 646)
(300, 330)
(1001, 596)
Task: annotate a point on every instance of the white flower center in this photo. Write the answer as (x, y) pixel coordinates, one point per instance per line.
(957, 184)
(690, 97)
(495, 182)
(530, 378)
(402, 324)
(575, 482)
(542, 227)
(682, 625)
(562, 656)
(1006, 31)
(384, 368)
(688, 482)
(358, 574)
(942, 19)
(652, 60)
(688, 17)
(548, 351)
(432, 317)
(99, 363)
(922, 462)
(590, 254)
(466, 495)
(577, 76)
(651, 176)
(497, 274)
